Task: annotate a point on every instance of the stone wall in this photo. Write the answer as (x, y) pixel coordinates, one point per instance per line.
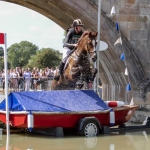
(133, 17)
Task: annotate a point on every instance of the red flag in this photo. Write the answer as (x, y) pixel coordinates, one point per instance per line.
(2, 41)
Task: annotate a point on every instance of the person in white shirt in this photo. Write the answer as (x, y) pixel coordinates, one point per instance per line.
(27, 77)
(14, 76)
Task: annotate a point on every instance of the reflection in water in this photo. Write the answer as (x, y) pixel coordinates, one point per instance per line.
(7, 142)
(145, 134)
(90, 142)
(139, 140)
(112, 147)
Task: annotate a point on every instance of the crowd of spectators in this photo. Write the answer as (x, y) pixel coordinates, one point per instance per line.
(20, 79)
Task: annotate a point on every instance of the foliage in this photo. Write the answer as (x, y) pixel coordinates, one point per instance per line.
(2, 63)
(46, 57)
(1, 51)
(19, 54)
(26, 54)
(65, 33)
(2, 59)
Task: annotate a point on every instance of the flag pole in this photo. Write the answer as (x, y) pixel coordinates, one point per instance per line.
(6, 91)
(98, 46)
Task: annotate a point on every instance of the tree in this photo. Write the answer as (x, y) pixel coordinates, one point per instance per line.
(19, 54)
(1, 51)
(46, 57)
(2, 63)
(57, 53)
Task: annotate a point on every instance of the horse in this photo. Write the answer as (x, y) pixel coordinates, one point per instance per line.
(78, 71)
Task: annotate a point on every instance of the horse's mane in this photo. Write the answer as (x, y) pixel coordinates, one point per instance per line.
(83, 35)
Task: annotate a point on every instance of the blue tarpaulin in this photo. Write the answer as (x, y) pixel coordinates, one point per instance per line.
(55, 101)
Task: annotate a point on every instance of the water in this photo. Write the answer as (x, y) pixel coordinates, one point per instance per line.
(137, 140)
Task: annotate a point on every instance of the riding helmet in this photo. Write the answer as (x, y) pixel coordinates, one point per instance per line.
(77, 22)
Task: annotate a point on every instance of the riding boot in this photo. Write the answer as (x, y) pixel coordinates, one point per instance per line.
(61, 67)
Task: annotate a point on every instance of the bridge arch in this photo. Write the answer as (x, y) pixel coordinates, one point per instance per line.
(114, 82)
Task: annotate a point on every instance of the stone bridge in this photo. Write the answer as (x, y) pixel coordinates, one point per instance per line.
(133, 18)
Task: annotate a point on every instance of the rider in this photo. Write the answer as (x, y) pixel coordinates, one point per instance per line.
(70, 43)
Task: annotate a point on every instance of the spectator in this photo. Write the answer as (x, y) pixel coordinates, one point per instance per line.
(34, 69)
(52, 72)
(44, 81)
(18, 71)
(32, 79)
(27, 76)
(3, 78)
(21, 80)
(10, 81)
(46, 71)
(14, 78)
(40, 73)
(36, 80)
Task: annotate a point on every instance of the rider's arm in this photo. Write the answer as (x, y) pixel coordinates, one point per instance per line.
(67, 39)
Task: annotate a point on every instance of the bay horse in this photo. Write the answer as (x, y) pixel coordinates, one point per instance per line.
(77, 70)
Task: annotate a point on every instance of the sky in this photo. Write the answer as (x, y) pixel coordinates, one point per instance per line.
(23, 24)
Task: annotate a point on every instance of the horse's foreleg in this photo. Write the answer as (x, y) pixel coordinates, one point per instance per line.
(94, 73)
(79, 85)
(81, 72)
(94, 57)
(86, 85)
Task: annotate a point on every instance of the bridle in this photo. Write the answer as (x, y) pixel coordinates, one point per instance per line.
(87, 42)
(94, 42)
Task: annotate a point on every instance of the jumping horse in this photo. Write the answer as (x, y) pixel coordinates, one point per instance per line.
(78, 71)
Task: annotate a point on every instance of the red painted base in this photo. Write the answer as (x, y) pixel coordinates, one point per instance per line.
(122, 115)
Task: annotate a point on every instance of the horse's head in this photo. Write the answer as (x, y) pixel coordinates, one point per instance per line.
(91, 44)
(87, 44)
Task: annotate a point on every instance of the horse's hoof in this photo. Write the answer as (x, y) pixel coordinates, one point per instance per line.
(79, 85)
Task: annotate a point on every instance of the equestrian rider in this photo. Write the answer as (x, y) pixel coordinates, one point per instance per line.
(70, 43)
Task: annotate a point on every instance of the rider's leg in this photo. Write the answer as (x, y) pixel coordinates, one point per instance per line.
(61, 68)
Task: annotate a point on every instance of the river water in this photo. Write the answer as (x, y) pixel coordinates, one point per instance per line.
(135, 140)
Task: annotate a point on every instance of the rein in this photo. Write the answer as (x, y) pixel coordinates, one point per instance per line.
(79, 53)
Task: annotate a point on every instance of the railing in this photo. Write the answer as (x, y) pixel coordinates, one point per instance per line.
(27, 84)
(31, 84)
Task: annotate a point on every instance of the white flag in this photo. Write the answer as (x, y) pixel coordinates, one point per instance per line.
(118, 41)
(113, 11)
(126, 72)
